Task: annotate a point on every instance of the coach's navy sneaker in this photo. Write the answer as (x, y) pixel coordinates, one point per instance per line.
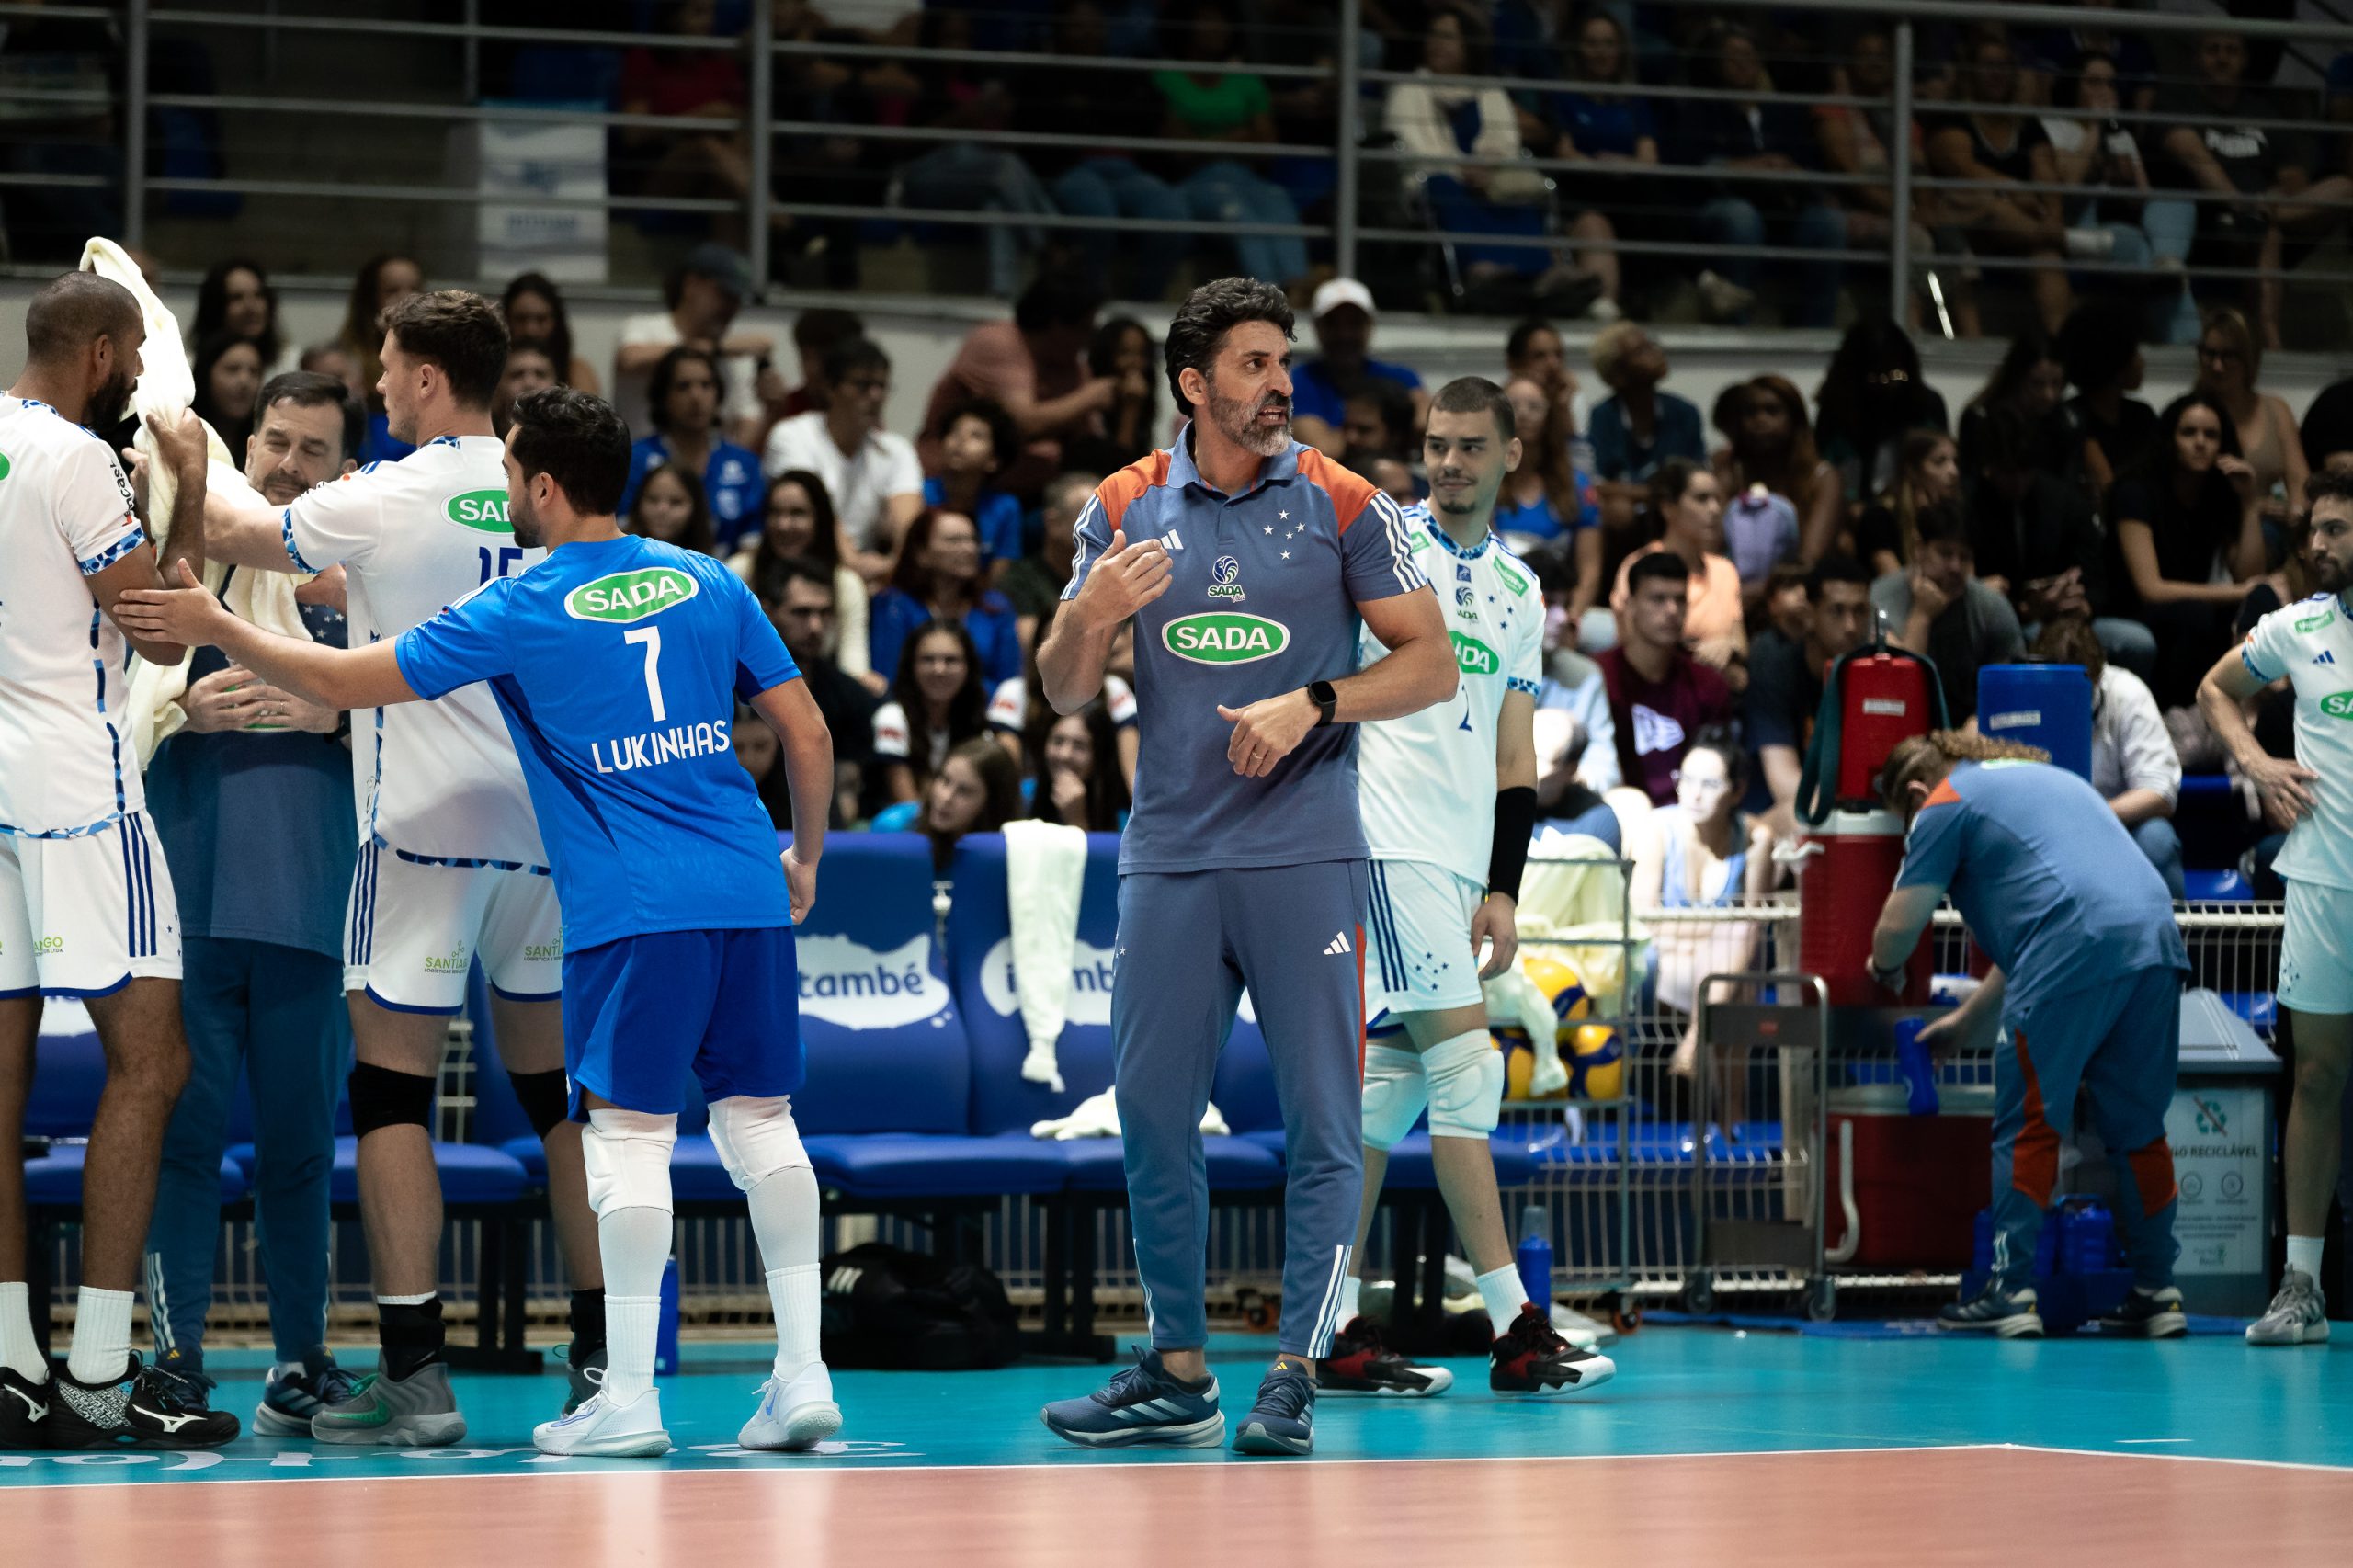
(1142, 1405)
(1532, 1358)
(24, 1411)
(294, 1391)
(1360, 1365)
(1283, 1421)
(2011, 1316)
(2148, 1315)
(145, 1408)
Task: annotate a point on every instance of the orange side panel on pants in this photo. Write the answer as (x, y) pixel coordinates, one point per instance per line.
(2034, 1155)
(2152, 1173)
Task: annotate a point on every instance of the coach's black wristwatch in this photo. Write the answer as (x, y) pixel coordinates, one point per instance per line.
(1326, 700)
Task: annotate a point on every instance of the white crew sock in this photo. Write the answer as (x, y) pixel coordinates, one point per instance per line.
(101, 1336)
(2303, 1251)
(784, 1220)
(1351, 1293)
(635, 1244)
(18, 1350)
(1505, 1294)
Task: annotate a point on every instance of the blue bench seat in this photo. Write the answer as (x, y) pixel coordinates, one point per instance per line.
(470, 1173)
(900, 1166)
(54, 1181)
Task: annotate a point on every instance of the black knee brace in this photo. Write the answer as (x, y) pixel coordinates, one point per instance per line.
(383, 1098)
(545, 1097)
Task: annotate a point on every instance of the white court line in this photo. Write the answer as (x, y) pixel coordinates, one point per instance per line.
(2137, 1442)
(2188, 1459)
(803, 1468)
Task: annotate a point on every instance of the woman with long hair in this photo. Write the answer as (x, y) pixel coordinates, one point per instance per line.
(1686, 510)
(669, 506)
(939, 577)
(977, 790)
(2101, 345)
(684, 395)
(229, 373)
(1124, 352)
(2031, 379)
(1702, 853)
(1546, 497)
(236, 299)
(1018, 707)
(2229, 360)
(1871, 397)
(797, 520)
(936, 704)
(534, 307)
(2186, 539)
(1927, 470)
(1770, 441)
(381, 282)
(1075, 776)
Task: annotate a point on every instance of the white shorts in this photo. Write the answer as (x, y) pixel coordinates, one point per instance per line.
(411, 931)
(2316, 950)
(1417, 947)
(85, 917)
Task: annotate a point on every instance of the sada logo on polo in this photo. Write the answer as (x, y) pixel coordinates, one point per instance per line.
(853, 986)
(1221, 637)
(1225, 579)
(624, 596)
(481, 510)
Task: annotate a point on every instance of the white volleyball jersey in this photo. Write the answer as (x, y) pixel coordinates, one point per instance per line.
(2311, 643)
(65, 516)
(434, 781)
(1426, 783)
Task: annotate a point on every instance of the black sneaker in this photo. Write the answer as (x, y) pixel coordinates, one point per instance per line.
(145, 1408)
(2006, 1315)
(2148, 1315)
(1283, 1421)
(24, 1411)
(585, 1372)
(1361, 1365)
(1532, 1358)
(294, 1391)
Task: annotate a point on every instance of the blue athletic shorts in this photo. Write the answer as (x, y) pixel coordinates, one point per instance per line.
(642, 1012)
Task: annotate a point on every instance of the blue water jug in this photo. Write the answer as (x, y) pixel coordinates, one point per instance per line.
(665, 1330)
(2040, 705)
(1535, 1257)
(1916, 1067)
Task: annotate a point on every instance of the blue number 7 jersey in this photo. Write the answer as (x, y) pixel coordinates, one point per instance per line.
(617, 664)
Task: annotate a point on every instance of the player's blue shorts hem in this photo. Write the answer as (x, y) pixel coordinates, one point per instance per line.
(501, 990)
(639, 1013)
(405, 1007)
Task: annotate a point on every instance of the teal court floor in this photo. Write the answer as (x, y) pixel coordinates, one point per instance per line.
(1756, 1450)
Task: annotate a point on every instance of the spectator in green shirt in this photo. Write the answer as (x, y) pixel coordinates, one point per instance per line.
(1216, 104)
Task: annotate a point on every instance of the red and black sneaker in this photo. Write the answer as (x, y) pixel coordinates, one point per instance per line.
(1360, 1365)
(1532, 1358)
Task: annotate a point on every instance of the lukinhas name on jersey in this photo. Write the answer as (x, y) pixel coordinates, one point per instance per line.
(625, 753)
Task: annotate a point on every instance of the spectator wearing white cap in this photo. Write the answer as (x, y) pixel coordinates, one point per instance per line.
(1320, 389)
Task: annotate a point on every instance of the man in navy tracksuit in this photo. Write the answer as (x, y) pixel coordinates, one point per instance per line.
(1249, 563)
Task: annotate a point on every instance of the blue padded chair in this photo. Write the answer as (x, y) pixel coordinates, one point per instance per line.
(69, 1072)
(885, 1111)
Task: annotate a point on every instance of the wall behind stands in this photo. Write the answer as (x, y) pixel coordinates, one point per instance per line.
(922, 334)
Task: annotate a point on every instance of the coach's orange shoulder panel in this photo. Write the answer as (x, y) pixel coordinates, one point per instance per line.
(1350, 492)
(1118, 491)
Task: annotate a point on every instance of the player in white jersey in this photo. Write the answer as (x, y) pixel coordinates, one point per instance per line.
(2309, 645)
(1448, 796)
(85, 899)
(450, 867)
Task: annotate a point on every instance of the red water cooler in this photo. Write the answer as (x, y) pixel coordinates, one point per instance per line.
(1847, 868)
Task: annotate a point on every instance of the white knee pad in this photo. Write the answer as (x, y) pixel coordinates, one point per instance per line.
(755, 1137)
(1466, 1076)
(627, 1153)
(1394, 1092)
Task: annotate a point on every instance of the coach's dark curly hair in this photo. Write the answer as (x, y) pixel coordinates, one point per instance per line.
(1212, 310)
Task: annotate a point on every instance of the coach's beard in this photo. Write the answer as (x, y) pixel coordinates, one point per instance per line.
(1239, 423)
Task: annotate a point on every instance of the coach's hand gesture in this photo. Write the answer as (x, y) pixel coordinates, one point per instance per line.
(1265, 732)
(2284, 788)
(1127, 578)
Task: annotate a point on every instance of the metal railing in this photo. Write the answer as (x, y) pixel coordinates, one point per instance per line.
(769, 124)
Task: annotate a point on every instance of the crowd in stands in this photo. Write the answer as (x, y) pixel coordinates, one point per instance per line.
(1546, 142)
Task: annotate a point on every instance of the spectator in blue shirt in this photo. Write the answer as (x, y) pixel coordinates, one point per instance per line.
(975, 441)
(1320, 389)
(938, 578)
(1601, 124)
(684, 397)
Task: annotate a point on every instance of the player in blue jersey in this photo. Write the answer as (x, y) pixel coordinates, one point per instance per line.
(1249, 564)
(2085, 987)
(617, 664)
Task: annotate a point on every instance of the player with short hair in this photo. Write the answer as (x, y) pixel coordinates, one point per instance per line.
(616, 664)
(450, 866)
(2309, 645)
(86, 898)
(1255, 562)
(1448, 796)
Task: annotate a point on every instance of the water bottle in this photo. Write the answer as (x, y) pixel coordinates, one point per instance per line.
(1535, 1256)
(1916, 1066)
(665, 1330)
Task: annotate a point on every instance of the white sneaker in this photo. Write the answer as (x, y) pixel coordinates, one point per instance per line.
(793, 1414)
(2297, 1315)
(608, 1430)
